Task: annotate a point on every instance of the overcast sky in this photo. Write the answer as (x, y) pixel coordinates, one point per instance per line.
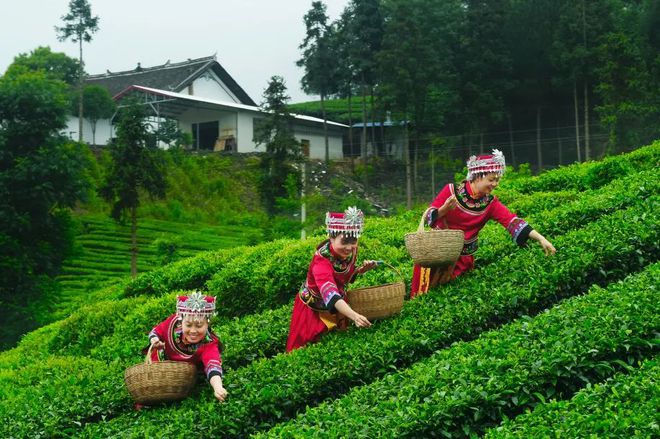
(253, 39)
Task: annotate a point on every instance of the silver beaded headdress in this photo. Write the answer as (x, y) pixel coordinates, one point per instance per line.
(350, 223)
(195, 305)
(486, 164)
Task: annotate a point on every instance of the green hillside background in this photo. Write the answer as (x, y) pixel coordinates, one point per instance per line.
(523, 333)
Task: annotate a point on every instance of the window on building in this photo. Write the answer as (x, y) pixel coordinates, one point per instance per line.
(257, 124)
(304, 144)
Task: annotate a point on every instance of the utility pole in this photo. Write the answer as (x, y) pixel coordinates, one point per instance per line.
(303, 207)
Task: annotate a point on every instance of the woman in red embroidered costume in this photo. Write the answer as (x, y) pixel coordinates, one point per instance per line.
(319, 306)
(468, 206)
(186, 336)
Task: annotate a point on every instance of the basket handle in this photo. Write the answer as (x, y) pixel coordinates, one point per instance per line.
(393, 268)
(147, 360)
(421, 221)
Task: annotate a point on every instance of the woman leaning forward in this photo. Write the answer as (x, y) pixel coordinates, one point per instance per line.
(320, 304)
(468, 206)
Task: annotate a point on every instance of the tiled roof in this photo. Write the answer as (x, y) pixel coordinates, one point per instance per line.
(169, 76)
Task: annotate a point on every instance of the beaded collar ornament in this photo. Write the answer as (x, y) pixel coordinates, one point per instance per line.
(486, 164)
(350, 223)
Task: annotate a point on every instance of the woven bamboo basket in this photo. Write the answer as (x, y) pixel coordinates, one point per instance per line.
(379, 301)
(436, 247)
(155, 382)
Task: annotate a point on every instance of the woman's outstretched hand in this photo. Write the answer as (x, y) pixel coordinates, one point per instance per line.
(366, 266)
(157, 343)
(547, 246)
(361, 321)
(219, 391)
(220, 394)
(450, 204)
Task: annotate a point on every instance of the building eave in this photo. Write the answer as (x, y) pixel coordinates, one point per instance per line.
(215, 103)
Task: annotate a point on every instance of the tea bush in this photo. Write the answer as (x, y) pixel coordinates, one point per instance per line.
(590, 175)
(459, 391)
(269, 391)
(626, 406)
(266, 388)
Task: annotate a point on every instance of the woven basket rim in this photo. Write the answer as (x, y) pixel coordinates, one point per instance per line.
(378, 301)
(166, 364)
(434, 247)
(353, 290)
(157, 382)
(441, 231)
(391, 301)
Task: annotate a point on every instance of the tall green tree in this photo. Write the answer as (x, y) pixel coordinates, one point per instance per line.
(169, 133)
(137, 169)
(416, 66)
(366, 24)
(484, 61)
(79, 25)
(55, 65)
(98, 105)
(283, 151)
(319, 60)
(42, 175)
(623, 82)
(529, 29)
(346, 80)
(628, 76)
(582, 28)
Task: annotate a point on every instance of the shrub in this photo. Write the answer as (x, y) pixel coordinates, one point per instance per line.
(461, 390)
(626, 406)
(185, 274)
(269, 275)
(589, 175)
(263, 394)
(167, 249)
(59, 388)
(600, 252)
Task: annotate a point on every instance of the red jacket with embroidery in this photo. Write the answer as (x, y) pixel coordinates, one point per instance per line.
(205, 353)
(328, 275)
(470, 216)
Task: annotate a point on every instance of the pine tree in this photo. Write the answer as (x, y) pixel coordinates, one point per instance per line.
(79, 25)
(136, 168)
(319, 60)
(283, 151)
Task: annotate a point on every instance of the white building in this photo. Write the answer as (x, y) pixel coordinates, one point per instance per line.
(206, 102)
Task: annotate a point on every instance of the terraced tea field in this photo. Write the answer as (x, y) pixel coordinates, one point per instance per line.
(103, 256)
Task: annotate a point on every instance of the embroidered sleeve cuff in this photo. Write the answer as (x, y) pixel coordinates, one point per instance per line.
(431, 217)
(523, 236)
(213, 367)
(333, 298)
(519, 230)
(213, 373)
(153, 335)
(327, 290)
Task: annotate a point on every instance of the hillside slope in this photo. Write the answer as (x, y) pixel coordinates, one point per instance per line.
(602, 216)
